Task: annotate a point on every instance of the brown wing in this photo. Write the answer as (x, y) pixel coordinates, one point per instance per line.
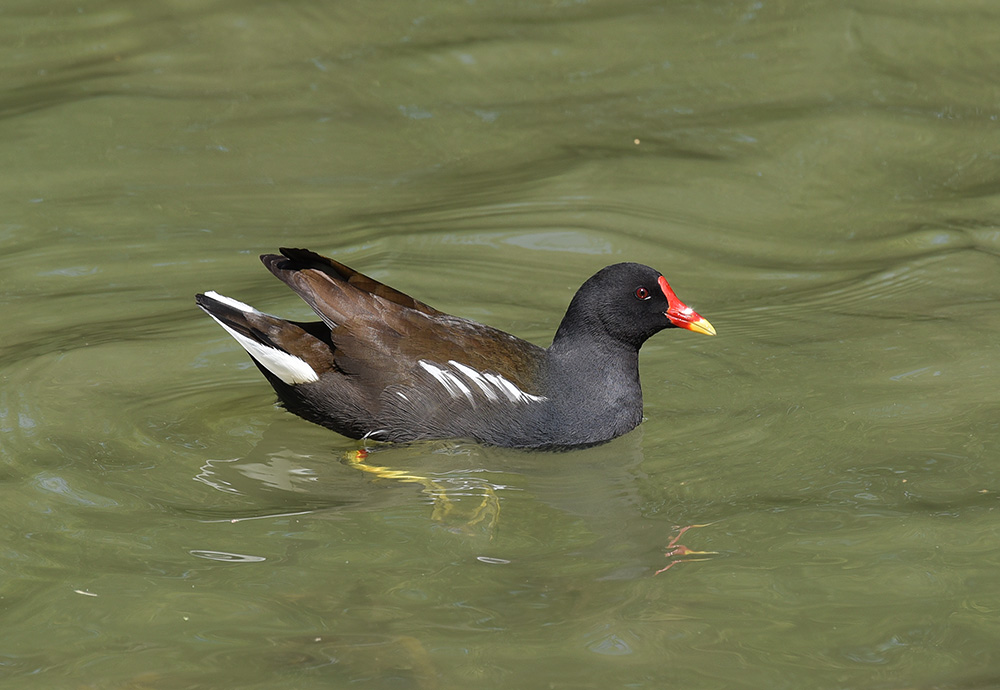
(380, 334)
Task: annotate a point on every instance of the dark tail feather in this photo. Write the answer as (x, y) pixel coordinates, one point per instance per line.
(284, 349)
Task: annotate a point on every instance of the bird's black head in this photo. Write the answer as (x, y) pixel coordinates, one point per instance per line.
(626, 304)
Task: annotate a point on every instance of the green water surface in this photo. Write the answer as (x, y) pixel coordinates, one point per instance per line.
(818, 179)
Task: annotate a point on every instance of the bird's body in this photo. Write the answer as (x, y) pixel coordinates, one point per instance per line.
(381, 365)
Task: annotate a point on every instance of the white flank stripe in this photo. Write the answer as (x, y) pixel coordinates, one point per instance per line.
(454, 385)
(288, 368)
(489, 383)
(513, 393)
(476, 378)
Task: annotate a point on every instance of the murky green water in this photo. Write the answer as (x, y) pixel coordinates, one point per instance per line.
(818, 179)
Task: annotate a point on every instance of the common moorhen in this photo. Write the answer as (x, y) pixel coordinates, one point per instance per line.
(384, 366)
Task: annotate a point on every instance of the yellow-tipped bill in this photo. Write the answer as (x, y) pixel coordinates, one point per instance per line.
(682, 315)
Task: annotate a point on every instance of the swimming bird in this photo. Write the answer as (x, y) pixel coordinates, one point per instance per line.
(381, 365)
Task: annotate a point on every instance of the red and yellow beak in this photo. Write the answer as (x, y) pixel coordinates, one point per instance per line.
(681, 315)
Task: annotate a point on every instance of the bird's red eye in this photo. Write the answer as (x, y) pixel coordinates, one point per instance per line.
(641, 293)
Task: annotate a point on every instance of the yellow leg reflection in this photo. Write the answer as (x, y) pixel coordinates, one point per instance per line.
(448, 509)
(677, 550)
